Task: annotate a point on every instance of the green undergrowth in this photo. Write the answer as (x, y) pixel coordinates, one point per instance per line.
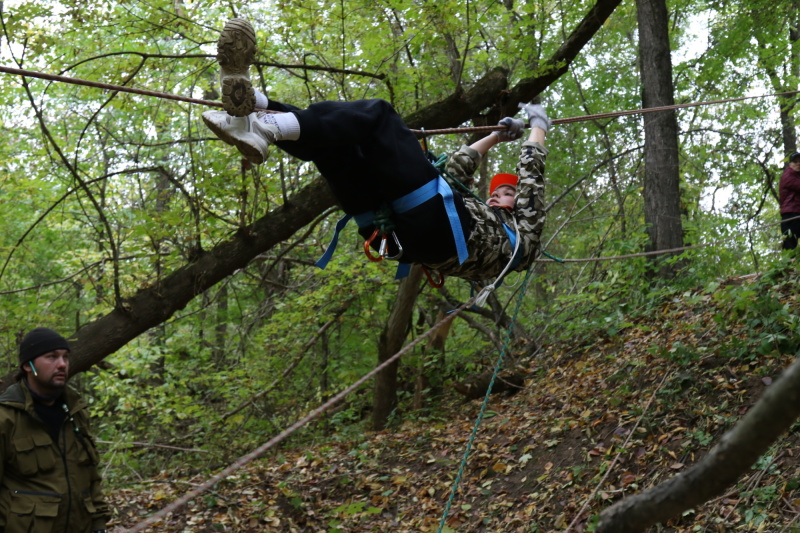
(619, 409)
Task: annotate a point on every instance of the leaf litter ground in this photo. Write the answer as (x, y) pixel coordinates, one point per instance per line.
(595, 423)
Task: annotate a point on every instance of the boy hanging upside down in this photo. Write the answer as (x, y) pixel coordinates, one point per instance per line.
(374, 163)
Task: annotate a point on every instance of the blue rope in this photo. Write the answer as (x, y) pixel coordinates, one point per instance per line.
(478, 421)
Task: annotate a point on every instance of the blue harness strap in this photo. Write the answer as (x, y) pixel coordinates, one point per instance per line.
(404, 203)
(323, 261)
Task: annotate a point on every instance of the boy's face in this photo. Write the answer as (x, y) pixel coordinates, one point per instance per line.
(503, 196)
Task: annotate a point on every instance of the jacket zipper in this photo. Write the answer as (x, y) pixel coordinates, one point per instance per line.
(66, 467)
(36, 493)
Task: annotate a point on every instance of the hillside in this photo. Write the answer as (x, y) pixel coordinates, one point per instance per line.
(600, 417)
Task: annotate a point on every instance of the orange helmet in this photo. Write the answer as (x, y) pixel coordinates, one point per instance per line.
(502, 179)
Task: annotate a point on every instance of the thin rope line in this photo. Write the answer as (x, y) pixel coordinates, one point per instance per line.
(658, 252)
(568, 120)
(108, 86)
(612, 114)
(242, 461)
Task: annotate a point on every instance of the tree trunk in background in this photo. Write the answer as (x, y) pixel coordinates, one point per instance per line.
(783, 71)
(788, 103)
(661, 181)
(431, 368)
(391, 341)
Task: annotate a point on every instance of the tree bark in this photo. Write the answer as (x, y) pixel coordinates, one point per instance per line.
(490, 92)
(662, 202)
(153, 305)
(391, 341)
(736, 452)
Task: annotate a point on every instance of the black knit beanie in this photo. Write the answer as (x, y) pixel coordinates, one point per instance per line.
(40, 341)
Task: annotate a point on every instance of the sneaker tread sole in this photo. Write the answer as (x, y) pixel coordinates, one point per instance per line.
(236, 49)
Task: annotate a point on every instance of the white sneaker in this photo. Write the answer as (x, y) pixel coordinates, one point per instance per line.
(251, 136)
(236, 49)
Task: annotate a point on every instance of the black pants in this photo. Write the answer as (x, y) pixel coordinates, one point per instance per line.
(369, 157)
(790, 230)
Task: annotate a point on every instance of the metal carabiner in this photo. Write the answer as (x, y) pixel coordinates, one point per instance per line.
(435, 284)
(385, 250)
(383, 247)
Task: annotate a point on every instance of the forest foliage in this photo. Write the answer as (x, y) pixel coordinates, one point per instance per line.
(105, 193)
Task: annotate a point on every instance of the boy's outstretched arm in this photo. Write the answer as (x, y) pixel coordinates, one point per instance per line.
(463, 163)
(537, 118)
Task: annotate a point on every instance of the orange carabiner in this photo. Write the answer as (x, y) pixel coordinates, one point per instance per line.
(435, 284)
(368, 251)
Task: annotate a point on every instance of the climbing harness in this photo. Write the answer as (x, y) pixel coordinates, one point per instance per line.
(384, 228)
(437, 186)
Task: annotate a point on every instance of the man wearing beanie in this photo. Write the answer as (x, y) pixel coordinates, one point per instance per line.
(49, 479)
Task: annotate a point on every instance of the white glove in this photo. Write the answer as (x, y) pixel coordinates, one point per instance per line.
(514, 131)
(537, 118)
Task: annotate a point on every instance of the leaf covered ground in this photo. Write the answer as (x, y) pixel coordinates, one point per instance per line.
(597, 420)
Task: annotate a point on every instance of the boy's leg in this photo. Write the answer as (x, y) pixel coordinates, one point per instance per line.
(352, 143)
(360, 145)
(368, 157)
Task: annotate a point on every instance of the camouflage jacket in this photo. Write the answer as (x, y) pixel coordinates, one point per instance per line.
(489, 245)
(47, 486)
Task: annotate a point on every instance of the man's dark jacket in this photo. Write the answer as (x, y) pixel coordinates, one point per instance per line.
(47, 486)
(789, 191)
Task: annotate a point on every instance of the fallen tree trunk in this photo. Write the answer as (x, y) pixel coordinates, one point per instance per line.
(737, 451)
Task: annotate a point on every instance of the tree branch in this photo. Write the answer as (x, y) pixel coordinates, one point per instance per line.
(736, 452)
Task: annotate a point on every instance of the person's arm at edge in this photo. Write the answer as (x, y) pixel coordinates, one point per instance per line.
(536, 135)
(483, 145)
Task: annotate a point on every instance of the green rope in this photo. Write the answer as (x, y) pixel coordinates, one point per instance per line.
(554, 258)
(440, 164)
(478, 421)
(383, 219)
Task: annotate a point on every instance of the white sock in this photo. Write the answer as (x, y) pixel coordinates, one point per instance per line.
(261, 99)
(287, 124)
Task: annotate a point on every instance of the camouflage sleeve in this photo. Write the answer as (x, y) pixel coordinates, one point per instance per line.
(529, 206)
(463, 163)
